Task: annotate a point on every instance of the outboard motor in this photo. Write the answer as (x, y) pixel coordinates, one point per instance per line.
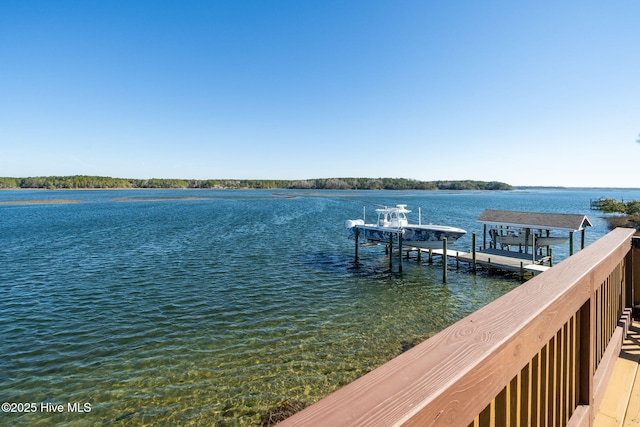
(350, 223)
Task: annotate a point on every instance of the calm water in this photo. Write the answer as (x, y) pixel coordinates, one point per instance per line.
(158, 310)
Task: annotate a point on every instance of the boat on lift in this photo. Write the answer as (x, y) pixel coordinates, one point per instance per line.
(392, 222)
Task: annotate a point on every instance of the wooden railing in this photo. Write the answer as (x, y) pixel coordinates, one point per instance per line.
(540, 355)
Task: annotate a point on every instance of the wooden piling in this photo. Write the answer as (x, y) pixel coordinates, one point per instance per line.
(473, 250)
(521, 270)
(570, 243)
(444, 260)
(390, 251)
(357, 236)
(484, 237)
(400, 251)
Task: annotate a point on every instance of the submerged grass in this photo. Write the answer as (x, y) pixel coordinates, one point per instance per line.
(281, 411)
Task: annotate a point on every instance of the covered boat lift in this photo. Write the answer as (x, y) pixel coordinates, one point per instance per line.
(505, 222)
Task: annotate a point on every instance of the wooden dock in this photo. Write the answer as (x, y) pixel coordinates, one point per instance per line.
(491, 258)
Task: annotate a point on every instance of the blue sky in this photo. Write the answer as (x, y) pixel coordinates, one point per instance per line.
(528, 93)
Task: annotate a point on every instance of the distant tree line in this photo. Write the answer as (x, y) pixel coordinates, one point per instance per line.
(95, 182)
(631, 209)
(615, 206)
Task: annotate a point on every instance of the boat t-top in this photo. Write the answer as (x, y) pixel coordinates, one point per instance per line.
(392, 222)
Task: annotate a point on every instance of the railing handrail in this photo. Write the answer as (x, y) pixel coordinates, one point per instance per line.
(450, 378)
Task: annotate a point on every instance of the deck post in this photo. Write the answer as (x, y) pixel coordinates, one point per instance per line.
(430, 256)
(635, 275)
(444, 260)
(473, 249)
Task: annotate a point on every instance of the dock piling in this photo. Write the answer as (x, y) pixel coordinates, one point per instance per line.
(400, 252)
(390, 251)
(473, 250)
(357, 239)
(444, 260)
(570, 243)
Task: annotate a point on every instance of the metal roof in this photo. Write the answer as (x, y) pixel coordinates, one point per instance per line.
(545, 221)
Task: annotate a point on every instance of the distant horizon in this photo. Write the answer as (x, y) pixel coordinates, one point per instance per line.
(550, 187)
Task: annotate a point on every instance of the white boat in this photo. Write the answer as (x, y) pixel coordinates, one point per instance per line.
(392, 222)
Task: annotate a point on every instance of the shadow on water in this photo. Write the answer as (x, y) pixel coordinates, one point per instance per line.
(376, 267)
(343, 265)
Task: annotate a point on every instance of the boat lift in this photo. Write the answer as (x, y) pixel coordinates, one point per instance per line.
(501, 224)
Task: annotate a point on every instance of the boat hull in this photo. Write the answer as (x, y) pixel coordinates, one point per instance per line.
(420, 236)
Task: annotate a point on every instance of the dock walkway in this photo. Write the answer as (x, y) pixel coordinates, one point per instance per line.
(494, 258)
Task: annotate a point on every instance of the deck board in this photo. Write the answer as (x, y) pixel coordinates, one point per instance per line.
(621, 403)
(632, 417)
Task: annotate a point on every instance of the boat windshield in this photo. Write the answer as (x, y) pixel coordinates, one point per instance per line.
(392, 217)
